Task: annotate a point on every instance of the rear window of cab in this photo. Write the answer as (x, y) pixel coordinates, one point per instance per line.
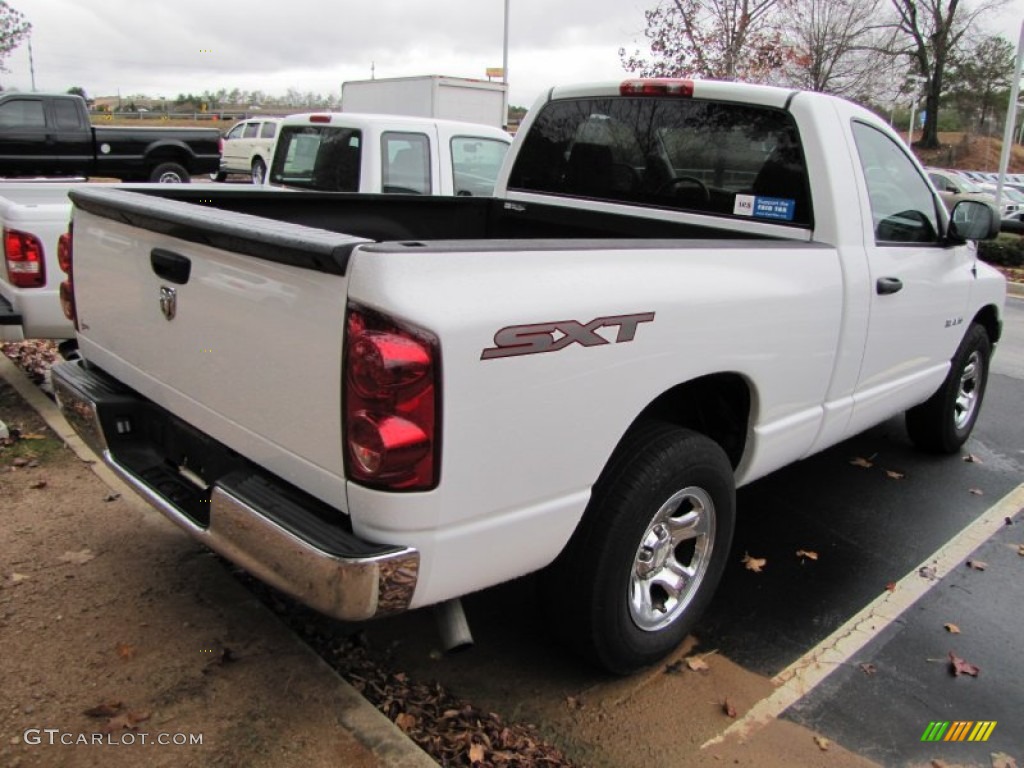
(680, 154)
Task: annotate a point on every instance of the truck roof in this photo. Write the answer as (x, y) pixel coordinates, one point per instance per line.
(366, 121)
(747, 93)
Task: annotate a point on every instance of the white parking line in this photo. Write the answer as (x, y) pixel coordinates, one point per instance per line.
(810, 670)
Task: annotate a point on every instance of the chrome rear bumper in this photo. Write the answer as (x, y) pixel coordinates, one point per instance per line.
(275, 532)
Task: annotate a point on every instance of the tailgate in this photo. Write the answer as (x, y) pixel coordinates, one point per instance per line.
(232, 322)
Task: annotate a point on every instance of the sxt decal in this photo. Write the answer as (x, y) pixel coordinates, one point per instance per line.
(540, 337)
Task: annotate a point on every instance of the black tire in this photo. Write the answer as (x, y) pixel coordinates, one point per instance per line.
(603, 592)
(943, 423)
(259, 171)
(170, 173)
(218, 176)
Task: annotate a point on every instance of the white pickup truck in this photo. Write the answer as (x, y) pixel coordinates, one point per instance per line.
(327, 151)
(378, 403)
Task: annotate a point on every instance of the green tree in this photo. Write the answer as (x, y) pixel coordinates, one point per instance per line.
(979, 79)
(13, 31)
(77, 90)
(721, 39)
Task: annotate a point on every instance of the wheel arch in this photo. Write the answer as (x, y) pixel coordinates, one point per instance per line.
(169, 152)
(717, 405)
(988, 318)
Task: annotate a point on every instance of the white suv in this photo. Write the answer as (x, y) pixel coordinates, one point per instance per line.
(247, 148)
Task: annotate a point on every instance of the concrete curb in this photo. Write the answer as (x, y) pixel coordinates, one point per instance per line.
(370, 727)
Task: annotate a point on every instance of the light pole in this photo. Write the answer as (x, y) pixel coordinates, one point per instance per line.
(1011, 117)
(504, 70)
(913, 104)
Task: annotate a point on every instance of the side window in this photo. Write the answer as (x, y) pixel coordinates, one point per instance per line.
(405, 163)
(902, 203)
(251, 130)
(66, 114)
(268, 131)
(236, 132)
(475, 164)
(22, 113)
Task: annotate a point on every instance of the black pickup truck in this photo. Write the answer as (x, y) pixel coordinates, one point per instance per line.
(45, 134)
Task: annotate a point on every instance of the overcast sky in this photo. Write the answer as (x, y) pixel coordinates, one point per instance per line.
(161, 48)
(166, 47)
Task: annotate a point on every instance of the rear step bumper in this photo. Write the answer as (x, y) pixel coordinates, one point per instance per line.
(10, 322)
(279, 534)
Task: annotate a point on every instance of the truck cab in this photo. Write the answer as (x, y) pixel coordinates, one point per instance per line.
(339, 152)
(44, 134)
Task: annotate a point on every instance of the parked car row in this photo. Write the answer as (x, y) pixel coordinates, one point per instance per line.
(955, 185)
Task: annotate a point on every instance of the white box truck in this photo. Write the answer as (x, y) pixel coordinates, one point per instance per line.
(448, 98)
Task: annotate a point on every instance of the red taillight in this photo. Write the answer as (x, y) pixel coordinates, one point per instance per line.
(26, 265)
(392, 431)
(656, 87)
(220, 145)
(319, 118)
(66, 260)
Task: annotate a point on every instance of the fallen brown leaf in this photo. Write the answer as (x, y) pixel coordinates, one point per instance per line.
(17, 578)
(862, 463)
(823, 743)
(104, 709)
(33, 436)
(929, 572)
(953, 629)
(38, 485)
(573, 703)
(728, 708)
(754, 564)
(112, 497)
(972, 459)
(77, 558)
(1020, 550)
(477, 753)
(960, 667)
(977, 491)
(892, 474)
(128, 721)
(1003, 760)
(868, 668)
(891, 586)
(697, 664)
(405, 722)
(806, 553)
(126, 651)
(977, 565)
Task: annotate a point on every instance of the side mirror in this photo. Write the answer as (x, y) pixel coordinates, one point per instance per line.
(972, 220)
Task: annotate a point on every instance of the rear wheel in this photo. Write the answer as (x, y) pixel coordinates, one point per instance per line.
(649, 552)
(259, 171)
(170, 173)
(943, 423)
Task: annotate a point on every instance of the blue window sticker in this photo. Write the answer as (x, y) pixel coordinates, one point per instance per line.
(774, 208)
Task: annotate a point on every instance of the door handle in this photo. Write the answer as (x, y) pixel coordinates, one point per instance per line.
(171, 266)
(886, 285)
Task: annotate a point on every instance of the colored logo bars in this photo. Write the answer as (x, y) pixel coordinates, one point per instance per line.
(959, 730)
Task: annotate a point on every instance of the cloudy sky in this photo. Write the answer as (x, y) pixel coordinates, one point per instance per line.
(161, 48)
(172, 46)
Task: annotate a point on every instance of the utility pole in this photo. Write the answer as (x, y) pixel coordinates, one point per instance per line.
(31, 64)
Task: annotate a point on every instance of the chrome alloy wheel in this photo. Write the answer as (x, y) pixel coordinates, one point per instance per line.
(672, 559)
(967, 394)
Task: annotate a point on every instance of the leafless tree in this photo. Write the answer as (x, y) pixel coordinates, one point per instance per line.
(930, 30)
(721, 39)
(832, 45)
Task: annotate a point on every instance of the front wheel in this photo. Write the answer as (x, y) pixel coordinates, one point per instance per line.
(170, 173)
(649, 552)
(944, 422)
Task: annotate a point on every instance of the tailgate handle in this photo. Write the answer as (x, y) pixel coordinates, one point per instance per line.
(171, 266)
